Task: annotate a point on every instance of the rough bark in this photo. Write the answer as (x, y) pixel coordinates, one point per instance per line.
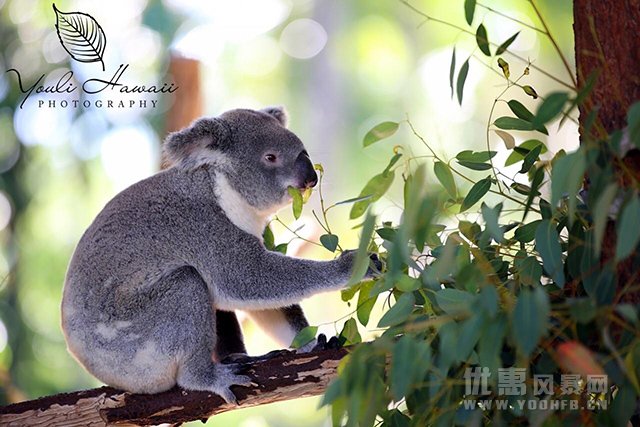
(607, 45)
(281, 378)
(607, 42)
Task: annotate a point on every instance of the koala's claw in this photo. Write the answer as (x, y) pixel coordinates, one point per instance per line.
(231, 380)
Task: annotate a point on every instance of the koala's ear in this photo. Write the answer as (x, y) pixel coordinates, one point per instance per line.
(279, 113)
(197, 144)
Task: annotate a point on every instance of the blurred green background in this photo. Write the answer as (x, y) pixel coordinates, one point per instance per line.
(339, 67)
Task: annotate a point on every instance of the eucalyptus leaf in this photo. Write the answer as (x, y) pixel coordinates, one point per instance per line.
(478, 190)
(507, 138)
(483, 40)
(469, 10)
(548, 246)
(462, 78)
(505, 45)
(305, 336)
(454, 301)
(380, 132)
(375, 189)
(445, 176)
(329, 241)
(530, 318)
(452, 70)
(399, 312)
(628, 229)
(297, 201)
(550, 108)
(601, 215)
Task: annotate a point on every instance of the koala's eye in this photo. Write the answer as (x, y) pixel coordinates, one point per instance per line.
(271, 158)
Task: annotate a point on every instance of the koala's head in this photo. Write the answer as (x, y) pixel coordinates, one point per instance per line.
(253, 149)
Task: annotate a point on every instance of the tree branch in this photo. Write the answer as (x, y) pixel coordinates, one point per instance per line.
(281, 378)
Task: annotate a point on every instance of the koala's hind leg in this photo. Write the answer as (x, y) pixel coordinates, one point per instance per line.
(187, 330)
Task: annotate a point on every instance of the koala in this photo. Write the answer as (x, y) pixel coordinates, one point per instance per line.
(151, 288)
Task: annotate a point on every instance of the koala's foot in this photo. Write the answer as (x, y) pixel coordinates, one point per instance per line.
(215, 377)
(323, 344)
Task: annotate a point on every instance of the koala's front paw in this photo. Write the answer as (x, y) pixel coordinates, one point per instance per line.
(375, 266)
(322, 344)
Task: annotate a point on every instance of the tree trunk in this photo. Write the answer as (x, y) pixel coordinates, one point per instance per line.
(607, 43)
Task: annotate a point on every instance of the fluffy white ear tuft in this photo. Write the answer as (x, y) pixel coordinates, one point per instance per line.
(279, 113)
(191, 146)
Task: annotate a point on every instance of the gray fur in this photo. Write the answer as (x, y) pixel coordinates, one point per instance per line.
(142, 287)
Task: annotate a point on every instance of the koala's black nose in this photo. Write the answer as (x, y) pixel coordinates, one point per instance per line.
(304, 169)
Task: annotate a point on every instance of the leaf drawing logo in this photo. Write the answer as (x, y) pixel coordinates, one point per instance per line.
(81, 36)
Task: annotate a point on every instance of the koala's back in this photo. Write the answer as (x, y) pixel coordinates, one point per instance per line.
(123, 263)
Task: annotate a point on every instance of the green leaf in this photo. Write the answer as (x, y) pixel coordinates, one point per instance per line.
(361, 264)
(444, 175)
(633, 124)
(297, 201)
(523, 149)
(476, 193)
(530, 318)
(375, 188)
(628, 229)
(387, 233)
(483, 40)
(475, 166)
(520, 110)
(454, 301)
(476, 156)
(399, 312)
(282, 248)
(410, 360)
(469, 9)
(329, 241)
(491, 216)
(550, 108)
(365, 302)
(305, 336)
(548, 246)
(462, 77)
(530, 159)
(353, 200)
(452, 70)
(512, 123)
(530, 271)
(379, 132)
(505, 45)
(392, 162)
(527, 232)
(601, 214)
(469, 230)
(566, 178)
(530, 91)
(350, 334)
(268, 239)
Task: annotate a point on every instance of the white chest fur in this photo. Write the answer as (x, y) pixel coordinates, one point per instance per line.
(241, 213)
